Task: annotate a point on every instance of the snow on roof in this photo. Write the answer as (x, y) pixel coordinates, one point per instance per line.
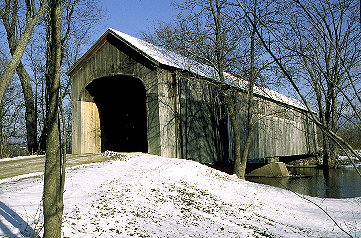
(166, 57)
(169, 58)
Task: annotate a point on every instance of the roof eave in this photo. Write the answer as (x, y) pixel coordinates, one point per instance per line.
(155, 62)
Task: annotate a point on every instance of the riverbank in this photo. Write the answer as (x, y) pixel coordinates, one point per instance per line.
(314, 161)
(152, 196)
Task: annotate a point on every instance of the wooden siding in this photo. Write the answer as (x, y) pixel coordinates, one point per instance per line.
(204, 135)
(282, 131)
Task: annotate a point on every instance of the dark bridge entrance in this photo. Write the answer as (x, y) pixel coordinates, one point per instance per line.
(121, 101)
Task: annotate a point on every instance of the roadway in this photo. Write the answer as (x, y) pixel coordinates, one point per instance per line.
(25, 165)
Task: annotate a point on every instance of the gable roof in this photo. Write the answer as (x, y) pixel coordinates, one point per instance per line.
(161, 56)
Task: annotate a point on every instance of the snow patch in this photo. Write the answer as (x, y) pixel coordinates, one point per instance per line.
(152, 196)
(21, 158)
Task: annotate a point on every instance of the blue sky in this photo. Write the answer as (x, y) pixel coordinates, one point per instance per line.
(134, 16)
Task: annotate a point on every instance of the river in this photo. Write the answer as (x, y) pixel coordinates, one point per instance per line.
(337, 183)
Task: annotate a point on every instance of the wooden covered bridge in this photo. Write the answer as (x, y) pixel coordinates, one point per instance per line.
(129, 96)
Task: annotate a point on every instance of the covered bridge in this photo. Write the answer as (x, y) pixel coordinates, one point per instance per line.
(131, 96)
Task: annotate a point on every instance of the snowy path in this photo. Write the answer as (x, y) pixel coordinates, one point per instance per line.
(151, 196)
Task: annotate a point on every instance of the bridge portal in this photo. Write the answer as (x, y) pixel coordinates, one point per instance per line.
(121, 102)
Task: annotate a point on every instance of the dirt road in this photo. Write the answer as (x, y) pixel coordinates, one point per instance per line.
(26, 165)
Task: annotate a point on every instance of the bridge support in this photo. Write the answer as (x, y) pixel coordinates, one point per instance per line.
(274, 169)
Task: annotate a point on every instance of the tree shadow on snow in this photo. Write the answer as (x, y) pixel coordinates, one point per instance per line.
(16, 221)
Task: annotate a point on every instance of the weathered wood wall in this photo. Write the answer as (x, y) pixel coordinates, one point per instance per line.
(282, 131)
(202, 125)
(205, 133)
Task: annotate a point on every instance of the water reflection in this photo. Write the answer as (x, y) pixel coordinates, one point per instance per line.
(335, 183)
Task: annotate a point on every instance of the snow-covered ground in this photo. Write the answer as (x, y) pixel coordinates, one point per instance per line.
(152, 196)
(344, 162)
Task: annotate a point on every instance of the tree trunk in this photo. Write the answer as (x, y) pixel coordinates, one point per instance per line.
(30, 112)
(329, 152)
(238, 169)
(1, 132)
(52, 197)
(229, 96)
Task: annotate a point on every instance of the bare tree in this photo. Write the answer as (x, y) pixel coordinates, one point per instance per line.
(59, 34)
(205, 33)
(328, 66)
(325, 44)
(12, 22)
(32, 19)
(11, 122)
(212, 33)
